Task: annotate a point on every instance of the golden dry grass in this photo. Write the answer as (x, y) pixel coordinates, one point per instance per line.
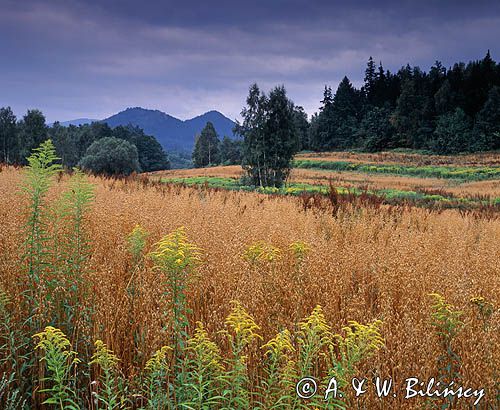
(230, 171)
(365, 264)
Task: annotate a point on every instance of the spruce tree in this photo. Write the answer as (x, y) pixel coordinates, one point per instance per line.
(301, 128)
(376, 131)
(8, 136)
(370, 80)
(487, 128)
(325, 124)
(347, 105)
(207, 147)
(452, 134)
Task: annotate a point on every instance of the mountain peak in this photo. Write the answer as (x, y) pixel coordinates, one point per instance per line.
(172, 133)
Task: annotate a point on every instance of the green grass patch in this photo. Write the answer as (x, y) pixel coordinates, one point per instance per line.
(428, 171)
(390, 196)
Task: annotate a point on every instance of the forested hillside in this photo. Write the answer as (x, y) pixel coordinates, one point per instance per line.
(444, 110)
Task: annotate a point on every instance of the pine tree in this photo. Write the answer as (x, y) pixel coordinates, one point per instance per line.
(452, 134)
(370, 80)
(323, 131)
(487, 128)
(8, 136)
(230, 151)
(207, 147)
(410, 116)
(444, 99)
(301, 128)
(347, 112)
(376, 131)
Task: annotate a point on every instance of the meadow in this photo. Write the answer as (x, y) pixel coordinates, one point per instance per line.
(439, 182)
(154, 295)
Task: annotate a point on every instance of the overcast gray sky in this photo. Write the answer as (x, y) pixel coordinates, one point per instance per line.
(74, 58)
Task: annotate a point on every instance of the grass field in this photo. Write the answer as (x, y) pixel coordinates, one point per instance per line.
(279, 256)
(428, 181)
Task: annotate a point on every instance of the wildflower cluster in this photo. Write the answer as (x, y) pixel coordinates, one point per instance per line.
(261, 252)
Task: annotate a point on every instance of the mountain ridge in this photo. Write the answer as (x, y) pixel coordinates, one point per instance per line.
(172, 133)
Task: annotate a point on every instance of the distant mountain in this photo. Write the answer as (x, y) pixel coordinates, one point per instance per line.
(172, 133)
(77, 122)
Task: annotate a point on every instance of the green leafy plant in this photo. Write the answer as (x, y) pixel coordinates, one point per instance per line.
(447, 324)
(176, 258)
(156, 386)
(136, 242)
(205, 370)
(242, 331)
(108, 392)
(59, 361)
(278, 386)
(10, 397)
(42, 167)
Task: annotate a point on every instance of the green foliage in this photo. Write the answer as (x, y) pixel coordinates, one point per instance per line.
(241, 332)
(336, 124)
(137, 242)
(72, 143)
(32, 132)
(67, 144)
(156, 387)
(38, 178)
(111, 156)
(150, 153)
(411, 113)
(452, 134)
(487, 127)
(313, 337)
(270, 137)
(389, 196)
(207, 147)
(205, 370)
(359, 343)
(176, 259)
(180, 159)
(10, 397)
(108, 390)
(278, 385)
(448, 172)
(77, 200)
(9, 140)
(59, 361)
(230, 151)
(301, 128)
(447, 324)
(375, 130)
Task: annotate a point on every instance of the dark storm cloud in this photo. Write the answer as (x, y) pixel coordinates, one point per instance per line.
(93, 58)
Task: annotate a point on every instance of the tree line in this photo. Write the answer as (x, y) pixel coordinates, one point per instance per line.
(210, 150)
(445, 110)
(96, 147)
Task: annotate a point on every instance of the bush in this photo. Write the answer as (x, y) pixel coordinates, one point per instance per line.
(111, 156)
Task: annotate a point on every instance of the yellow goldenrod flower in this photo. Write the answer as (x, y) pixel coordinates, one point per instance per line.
(242, 324)
(261, 251)
(104, 357)
(174, 251)
(159, 360)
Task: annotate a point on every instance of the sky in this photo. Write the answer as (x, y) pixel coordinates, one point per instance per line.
(75, 58)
